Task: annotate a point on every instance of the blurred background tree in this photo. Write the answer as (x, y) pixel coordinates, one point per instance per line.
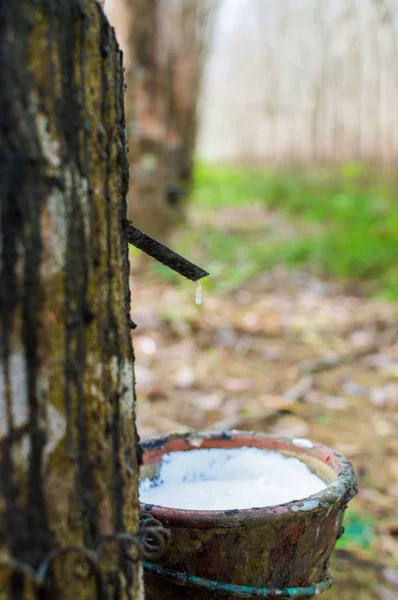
(167, 40)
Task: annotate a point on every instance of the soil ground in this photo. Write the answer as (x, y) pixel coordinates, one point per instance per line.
(241, 360)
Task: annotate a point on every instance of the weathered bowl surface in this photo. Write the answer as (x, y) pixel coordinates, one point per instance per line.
(287, 545)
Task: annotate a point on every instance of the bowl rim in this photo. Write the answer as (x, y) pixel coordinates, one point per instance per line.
(336, 494)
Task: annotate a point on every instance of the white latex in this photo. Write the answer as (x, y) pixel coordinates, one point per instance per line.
(221, 479)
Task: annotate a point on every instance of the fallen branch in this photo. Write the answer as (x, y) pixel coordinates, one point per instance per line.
(324, 364)
(298, 391)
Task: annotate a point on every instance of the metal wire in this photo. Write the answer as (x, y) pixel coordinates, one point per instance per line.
(149, 542)
(238, 591)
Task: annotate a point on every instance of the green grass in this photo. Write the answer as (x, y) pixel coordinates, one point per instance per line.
(359, 531)
(346, 220)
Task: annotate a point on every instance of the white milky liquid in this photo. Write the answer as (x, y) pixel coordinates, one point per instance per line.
(198, 293)
(222, 479)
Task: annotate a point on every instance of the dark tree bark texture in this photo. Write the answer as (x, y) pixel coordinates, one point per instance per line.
(68, 465)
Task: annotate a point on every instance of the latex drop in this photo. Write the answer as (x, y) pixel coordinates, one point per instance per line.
(198, 293)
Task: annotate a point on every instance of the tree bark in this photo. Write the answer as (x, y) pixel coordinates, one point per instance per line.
(68, 463)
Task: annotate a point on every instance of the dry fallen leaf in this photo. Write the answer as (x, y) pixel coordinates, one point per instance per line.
(234, 384)
(145, 344)
(390, 575)
(184, 377)
(290, 426)
(383, 593)
(156, 393)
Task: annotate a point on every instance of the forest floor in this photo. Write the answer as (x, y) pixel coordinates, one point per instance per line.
(289, 353)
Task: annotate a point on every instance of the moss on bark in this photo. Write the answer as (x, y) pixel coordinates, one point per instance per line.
(68, 463)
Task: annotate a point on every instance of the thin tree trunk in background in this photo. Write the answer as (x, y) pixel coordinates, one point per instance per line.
(360, 83)
(386, 21)
(391, 24)
(378, 114)
(68, 465)
(317, 93)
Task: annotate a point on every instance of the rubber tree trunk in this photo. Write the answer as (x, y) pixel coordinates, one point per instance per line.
(68, 464)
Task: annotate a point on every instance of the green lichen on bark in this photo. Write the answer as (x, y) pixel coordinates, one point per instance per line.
(67, 448)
